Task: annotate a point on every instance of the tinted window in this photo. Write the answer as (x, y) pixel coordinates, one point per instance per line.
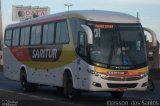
(48, 34)
(75, 28)
(36, 35)
(82, 44)
(25, 32)
(8, 37)
(62, 33)
(102, 43)
(118, 46)
(15, 41)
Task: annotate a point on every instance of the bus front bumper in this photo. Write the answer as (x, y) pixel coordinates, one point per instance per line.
(99, 84)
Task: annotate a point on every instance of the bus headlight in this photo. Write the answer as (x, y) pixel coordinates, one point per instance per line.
(143, 75)
(103, 76)
(93, 72)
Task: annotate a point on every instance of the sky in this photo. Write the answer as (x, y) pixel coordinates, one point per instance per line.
(148, 9)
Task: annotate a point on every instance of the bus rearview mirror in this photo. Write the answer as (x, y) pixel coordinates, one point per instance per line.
(153, 35)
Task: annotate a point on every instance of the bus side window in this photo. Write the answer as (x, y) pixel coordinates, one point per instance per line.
(62, 35)
(15, 41)
(48, 33)
(82, 44)
(36, 35)
(8, 37)
(25, 34)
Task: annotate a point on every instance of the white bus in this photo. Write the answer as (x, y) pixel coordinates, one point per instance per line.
(87, 50)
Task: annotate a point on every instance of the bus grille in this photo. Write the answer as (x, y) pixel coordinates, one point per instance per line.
(123, 78)
(131, 85)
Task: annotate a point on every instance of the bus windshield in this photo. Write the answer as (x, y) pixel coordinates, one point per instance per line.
(118, 45)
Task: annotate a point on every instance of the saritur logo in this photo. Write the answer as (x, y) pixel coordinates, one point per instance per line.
(45, 54)
(116, 73)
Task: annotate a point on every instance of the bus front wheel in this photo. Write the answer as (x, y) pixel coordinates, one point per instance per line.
(69, 91)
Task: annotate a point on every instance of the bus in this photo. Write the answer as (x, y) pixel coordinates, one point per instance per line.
(82, 50)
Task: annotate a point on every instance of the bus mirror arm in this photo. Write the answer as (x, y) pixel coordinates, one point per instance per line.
(89, 33)
(153, 34)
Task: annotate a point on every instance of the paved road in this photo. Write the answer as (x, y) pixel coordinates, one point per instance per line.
(10, 92)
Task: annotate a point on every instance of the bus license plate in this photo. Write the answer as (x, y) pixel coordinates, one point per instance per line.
(121, 89)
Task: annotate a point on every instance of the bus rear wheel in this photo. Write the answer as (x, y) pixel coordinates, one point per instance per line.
(117, 95)
(26, 86)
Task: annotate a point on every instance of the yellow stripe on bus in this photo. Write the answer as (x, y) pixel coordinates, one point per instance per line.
(103, 70)
(67, 56)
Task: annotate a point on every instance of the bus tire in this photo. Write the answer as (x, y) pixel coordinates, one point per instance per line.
(69, 91)
(59, 89)
(150, 86)
(26, 86)
(117, 95)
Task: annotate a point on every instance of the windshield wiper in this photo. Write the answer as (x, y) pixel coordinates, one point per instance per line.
(110, 55)
(112, 51)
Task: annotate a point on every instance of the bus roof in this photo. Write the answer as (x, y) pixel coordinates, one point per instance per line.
(90, 15)
(105, 16)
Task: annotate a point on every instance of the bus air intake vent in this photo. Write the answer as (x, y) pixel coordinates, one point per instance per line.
(131, 85)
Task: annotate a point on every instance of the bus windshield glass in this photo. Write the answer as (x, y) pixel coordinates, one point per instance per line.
(118, 45)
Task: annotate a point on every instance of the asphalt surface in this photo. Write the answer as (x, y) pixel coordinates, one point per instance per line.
(10, 93)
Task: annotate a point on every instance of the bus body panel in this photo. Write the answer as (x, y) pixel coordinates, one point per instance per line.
(11, 66)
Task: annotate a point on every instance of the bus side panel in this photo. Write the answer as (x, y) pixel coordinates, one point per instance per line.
(11, 65)
(52, 77)
(42, 76)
